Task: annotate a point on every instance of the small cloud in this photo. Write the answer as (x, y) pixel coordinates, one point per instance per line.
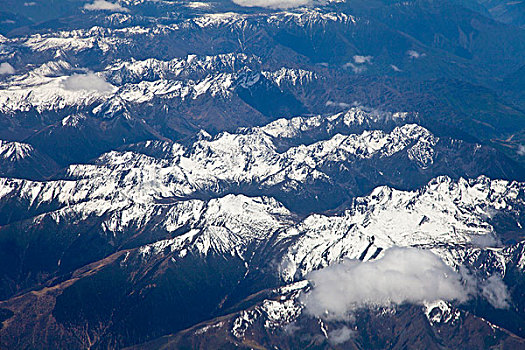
(32, 3)
(274, 4)
(395, 68)
(521, 150)
(197, 4)
(340, 335)
(355, 69)
(6, 68)
(89, 81)
(103, 5)
(415, 55)
(362, 59)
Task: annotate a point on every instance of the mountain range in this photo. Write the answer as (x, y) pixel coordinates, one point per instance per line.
(262, 174)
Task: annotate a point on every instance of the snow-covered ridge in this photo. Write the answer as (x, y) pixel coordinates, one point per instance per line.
(154, 69)
(226, 226)
(249, 158)
(445, 216)
(130, 189)
(235, 159)
(46, 87)
(22, 160)
(300, 17)
(45, 93)
(209, 166)
(49, 69)
(444, 213)
(74, 41)
(107, 39)
(219, 19)
(309, 16)
(356, 116)
(291, 76)
(171, 187)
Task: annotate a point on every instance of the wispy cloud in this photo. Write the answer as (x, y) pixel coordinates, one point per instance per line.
(281, 4)
(338, 104)
(89, 81)
(495, 292)
(103, 5)
(6, 68)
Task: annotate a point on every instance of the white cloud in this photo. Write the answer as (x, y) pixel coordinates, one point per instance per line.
(362, 59)
(355, 69)
(275, 4)
(89, 81)
(198, 4)
(359, 61)
(337, 104)
(340, 335)
(105, 5)
(488, 240)
(395, 68)
(6, 68)
(32, 3)
(521, 150)
(414, 54)
(495, 292)
(402, 275)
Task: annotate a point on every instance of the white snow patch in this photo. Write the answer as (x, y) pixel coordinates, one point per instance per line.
(440, 311)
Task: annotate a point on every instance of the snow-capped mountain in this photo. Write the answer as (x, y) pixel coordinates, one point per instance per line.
(205, 174)
(243, 233)
(215, 202)
(22, 160)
